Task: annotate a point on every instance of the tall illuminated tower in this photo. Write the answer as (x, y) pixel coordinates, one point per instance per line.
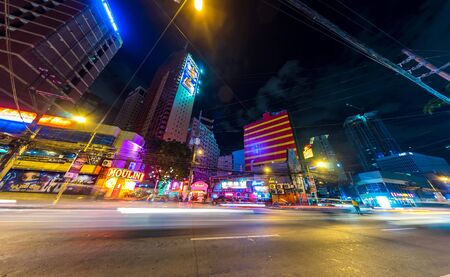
(169, 101)
(58, 48)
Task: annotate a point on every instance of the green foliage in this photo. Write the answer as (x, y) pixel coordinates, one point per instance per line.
(170, 159)
(435, 103)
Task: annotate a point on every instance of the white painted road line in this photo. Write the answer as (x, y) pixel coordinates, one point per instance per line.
(398, 229)
(448, 275)
(237, 237)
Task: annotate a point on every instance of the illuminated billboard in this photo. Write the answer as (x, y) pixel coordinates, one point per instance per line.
(308, 152)
(241, 184)
(13, 115)
(28, 117)
(191, 76)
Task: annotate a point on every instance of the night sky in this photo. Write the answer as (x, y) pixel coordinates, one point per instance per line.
(261, 56)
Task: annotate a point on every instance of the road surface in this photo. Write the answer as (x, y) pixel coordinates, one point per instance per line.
(216, 242)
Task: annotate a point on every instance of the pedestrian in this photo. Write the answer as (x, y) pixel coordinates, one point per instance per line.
(356, 206)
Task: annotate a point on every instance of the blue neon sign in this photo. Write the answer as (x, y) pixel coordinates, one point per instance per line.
(109, 13)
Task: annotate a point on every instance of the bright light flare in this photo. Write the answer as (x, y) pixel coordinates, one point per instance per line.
(267, 169)
(79, 119)
(198, 5)
(322, 164)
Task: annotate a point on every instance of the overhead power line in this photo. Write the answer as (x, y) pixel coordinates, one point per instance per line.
(368, 52)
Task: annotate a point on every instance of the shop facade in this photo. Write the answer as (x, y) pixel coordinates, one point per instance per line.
(43, 165)
(390, 190)
(241, 189)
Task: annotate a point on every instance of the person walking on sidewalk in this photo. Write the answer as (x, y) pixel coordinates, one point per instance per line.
(356, 206)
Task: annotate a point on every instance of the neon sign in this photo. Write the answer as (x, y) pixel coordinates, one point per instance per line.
(242, 184)
(109, 13)
(190, 78)
(55, 121)
(13, 115)
(28, 117)
(125, 173)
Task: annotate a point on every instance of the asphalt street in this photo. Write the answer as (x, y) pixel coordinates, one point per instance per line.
(221, 242)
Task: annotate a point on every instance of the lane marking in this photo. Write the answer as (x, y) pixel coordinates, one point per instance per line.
(237, 237)
(398, 229)
(448, 275)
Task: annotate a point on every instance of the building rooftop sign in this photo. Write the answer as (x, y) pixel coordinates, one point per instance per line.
(191, 76)
(109, 13)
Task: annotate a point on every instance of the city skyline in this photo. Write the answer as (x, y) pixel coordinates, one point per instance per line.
(315, 90)
(224, 138)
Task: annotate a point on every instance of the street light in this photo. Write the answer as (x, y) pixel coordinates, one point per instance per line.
(322, 164)
(79, 119)
(267, 170)
(200, 152)
(198, 5)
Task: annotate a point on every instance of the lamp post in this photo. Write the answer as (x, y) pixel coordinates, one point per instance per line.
(191, 170)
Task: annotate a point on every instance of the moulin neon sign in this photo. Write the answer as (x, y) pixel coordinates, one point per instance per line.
(125, 173)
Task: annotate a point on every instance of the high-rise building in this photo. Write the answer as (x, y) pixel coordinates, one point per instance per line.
(267, 140)
(370, 138)
(320, 149)
(225, 165)
(414, 163)
(207, 160)
(320, 160)
(170, 99)
(131, 109)
(58, 48)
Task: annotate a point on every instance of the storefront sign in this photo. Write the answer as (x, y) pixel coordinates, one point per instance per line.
(402, 195)
(242, 184)
(125, 173)
(17, 180)
(199, 186)
(76, 166)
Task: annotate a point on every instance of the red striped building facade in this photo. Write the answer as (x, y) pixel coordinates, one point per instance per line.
(266, 140)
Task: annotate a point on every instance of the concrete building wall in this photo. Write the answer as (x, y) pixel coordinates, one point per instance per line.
(58, 48)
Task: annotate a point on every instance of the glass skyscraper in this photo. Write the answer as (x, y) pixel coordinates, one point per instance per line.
(370, 138)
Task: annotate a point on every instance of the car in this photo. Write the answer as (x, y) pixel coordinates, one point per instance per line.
(221, 200)
(162, 198)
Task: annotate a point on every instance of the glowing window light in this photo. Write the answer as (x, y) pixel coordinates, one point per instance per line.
(109, 13)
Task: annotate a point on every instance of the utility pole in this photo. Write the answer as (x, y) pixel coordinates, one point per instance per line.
(421, 62)
(195, 142)
(368, 52)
